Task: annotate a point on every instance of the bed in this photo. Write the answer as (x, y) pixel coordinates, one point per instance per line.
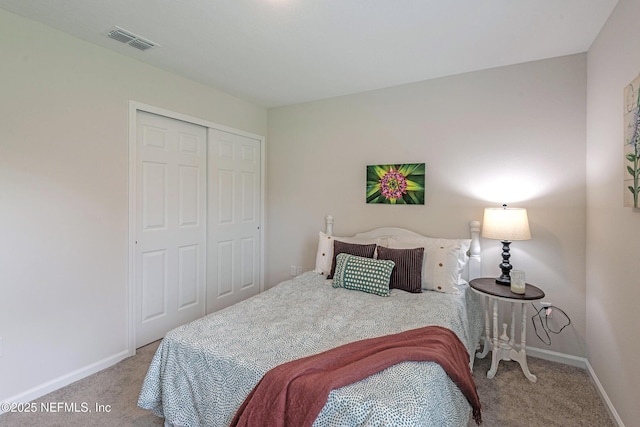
(202, 371)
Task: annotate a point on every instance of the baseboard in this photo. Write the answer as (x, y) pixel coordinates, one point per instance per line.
(554, 356)
(612, 411)
(580, 362)
(65, 380)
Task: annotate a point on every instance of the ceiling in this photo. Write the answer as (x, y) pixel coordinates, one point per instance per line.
(280, 52)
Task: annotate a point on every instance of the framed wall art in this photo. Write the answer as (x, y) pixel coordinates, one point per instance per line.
(631, 143)
(398, 184)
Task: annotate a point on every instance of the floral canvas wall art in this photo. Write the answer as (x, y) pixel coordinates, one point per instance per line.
(632, 143)
(400, 184)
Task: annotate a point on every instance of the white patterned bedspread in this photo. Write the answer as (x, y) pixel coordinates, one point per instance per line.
(202, 371)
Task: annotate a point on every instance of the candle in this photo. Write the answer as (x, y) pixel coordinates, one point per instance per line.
(518, 283)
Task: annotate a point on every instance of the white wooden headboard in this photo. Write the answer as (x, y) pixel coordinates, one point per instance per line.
(474, 266)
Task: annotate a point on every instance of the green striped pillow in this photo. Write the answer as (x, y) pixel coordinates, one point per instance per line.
(363, 274)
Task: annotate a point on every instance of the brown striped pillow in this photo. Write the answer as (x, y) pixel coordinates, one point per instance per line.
(407, 274)
(339, 247)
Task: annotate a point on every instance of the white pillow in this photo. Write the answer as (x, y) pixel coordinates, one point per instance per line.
(324, 255)
(426, 242)
(444, 261)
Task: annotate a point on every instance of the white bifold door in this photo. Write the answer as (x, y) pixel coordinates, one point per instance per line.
(234, 219)
(170, 225)
(197, 222)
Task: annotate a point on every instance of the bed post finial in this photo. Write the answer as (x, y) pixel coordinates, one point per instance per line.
(474, 227)
(474, 250)
(328, 225)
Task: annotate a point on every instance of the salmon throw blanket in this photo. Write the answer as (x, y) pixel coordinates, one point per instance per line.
(294, 393)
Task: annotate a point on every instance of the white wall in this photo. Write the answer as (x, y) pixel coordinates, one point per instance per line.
(613, 231)
(513, 134)
(63, 196)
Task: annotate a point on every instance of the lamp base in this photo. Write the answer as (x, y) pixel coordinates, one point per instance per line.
(505, 277)
(501, 281)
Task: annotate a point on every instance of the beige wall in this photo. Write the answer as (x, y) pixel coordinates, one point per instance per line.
(513, 134)
(613, 231)
(63, 195)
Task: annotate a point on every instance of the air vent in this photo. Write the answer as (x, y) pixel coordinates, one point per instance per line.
(121, 36)
(133, 40)
(141, 44)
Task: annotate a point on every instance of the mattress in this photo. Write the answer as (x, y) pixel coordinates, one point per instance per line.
(202, 371)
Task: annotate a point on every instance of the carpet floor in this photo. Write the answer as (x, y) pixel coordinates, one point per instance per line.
(563, 396)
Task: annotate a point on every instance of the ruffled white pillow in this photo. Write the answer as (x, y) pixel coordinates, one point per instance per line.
(444, 261)
(324, 255)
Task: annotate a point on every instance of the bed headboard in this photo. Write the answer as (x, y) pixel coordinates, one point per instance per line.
(473, 269)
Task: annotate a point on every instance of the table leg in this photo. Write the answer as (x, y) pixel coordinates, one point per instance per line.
(521, 355)
(494, 340)
(513, 326)
(485, 342)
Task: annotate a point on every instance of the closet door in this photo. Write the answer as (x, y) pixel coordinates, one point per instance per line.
(170, 225)
(234, 187)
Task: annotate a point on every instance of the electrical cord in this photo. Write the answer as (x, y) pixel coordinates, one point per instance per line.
(544, 324)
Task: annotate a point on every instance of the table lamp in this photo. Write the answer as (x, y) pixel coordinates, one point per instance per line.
(505, 224)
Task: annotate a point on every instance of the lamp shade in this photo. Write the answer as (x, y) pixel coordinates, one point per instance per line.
(506, 224)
